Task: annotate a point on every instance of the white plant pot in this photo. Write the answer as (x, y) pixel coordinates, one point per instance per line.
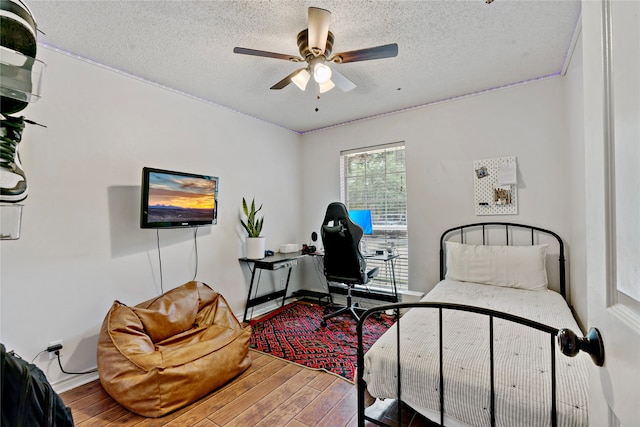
(255, 247)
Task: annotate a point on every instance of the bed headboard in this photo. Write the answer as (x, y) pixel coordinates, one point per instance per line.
(506, 233)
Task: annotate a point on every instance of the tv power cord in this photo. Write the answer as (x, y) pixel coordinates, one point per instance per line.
(56, 350)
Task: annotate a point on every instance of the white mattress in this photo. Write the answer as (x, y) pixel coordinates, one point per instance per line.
(522, 359)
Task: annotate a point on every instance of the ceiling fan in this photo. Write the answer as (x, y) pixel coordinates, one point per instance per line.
(315, 44)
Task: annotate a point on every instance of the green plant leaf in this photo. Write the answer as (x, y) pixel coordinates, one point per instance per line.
(253, 226)
(244, 207)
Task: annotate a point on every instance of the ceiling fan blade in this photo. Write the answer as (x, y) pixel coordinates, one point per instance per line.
(343, 83)
(287, 80)
(263, 53)
(378, 52)
(318, 30)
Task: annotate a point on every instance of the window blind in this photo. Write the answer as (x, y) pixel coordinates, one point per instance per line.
(374, 178)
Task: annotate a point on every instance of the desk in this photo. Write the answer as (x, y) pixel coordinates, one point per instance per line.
(389, 261)
(274, 262)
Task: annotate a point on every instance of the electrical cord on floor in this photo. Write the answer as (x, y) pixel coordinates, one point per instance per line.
(57, 353)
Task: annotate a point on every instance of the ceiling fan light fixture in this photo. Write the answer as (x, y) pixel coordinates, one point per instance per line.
(301, 79)
(326, 86)
(321, 73)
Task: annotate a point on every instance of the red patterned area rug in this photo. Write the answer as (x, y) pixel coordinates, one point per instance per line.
(293, 333)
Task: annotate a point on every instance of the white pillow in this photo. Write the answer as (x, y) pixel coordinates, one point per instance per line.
(521, 267)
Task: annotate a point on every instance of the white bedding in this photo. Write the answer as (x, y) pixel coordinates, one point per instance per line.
(522, 359)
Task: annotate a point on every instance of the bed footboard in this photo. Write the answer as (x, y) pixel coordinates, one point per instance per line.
(578, 344)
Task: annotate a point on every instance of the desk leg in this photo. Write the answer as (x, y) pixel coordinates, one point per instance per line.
(286, 286)
(393, 275)
(246, 308)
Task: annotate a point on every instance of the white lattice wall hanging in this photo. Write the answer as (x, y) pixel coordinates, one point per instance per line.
(496, 189)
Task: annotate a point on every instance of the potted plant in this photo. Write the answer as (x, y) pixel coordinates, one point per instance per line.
(255, 244)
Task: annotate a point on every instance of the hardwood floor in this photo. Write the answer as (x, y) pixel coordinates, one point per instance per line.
(271, 393)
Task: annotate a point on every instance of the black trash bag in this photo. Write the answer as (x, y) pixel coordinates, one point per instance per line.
(27, 398)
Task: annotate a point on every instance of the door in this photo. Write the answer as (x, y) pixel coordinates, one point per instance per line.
(611, 48)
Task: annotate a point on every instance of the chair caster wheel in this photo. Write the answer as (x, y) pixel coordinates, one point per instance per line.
(323, 323)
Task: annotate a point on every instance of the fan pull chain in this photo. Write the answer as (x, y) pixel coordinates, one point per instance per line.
(317, 97)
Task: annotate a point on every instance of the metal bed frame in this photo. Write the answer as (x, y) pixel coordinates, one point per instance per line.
(570, 344)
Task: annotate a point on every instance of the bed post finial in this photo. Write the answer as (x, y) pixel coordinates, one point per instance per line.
(570, 344)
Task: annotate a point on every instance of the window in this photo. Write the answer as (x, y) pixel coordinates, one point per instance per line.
(374, 178)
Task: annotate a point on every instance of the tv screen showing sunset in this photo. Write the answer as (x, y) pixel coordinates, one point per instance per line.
(175, 198)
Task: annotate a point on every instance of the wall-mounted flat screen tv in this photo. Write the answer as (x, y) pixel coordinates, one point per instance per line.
(171, 199)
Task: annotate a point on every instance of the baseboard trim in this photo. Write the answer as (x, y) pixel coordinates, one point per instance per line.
(264, 309)
(69, 383)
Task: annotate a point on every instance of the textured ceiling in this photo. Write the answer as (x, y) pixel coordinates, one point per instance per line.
(446, 49)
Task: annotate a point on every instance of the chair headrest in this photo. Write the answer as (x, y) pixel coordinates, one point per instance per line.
(333, 228)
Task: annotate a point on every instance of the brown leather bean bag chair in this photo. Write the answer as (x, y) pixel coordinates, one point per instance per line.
(169, 351)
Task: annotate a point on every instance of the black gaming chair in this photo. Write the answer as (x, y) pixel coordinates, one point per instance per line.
(343, 262)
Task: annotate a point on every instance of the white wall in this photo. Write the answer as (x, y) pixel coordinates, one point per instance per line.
(442, 141)
(81, 246)
(577, 249)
